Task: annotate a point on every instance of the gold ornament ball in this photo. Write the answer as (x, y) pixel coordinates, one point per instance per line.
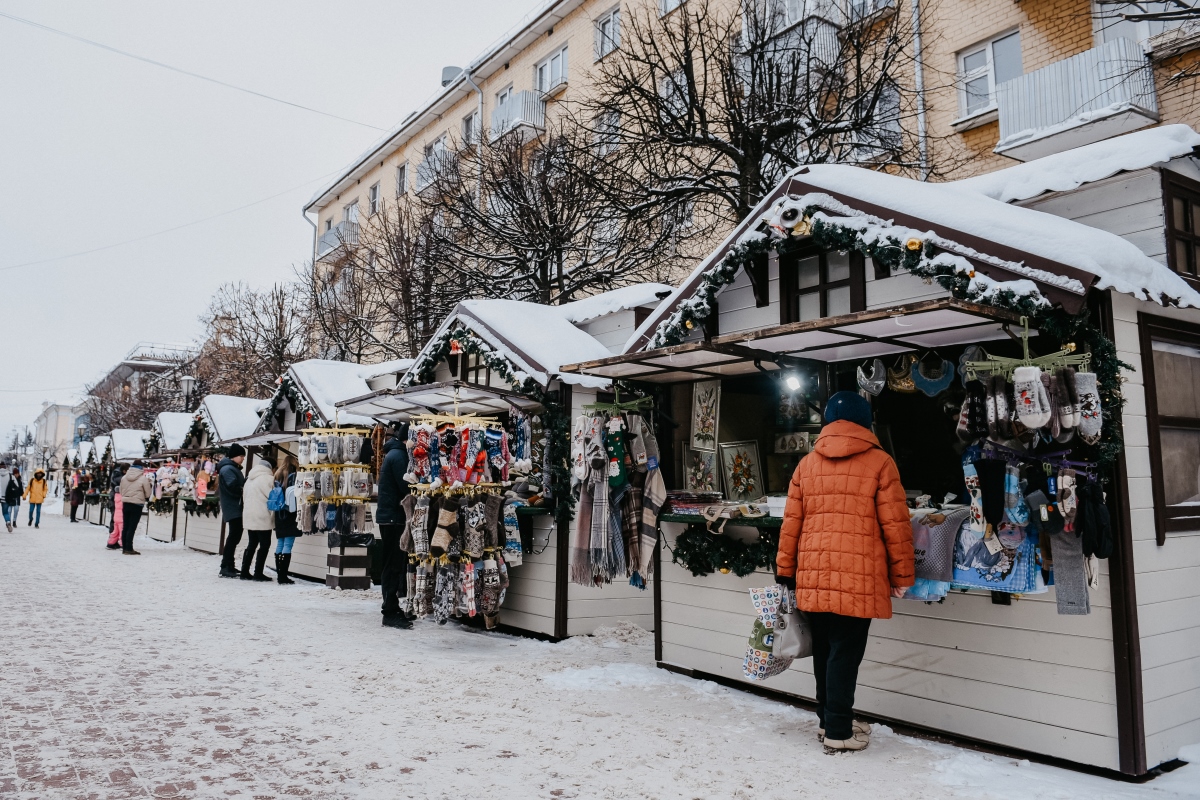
(913, 244)
(689, 324)
(724, 570)
(971, 274)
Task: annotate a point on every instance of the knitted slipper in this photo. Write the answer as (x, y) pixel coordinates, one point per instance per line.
(933, 384)
(874, 383)
(899, 377)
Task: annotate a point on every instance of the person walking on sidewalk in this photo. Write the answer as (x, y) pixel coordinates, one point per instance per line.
(116, 523)
(5, 480)
(390, 515)
(136, 491)
(286, 529)
(257, 519)
(12, 494)
(76, 494)
(845, 545)
(36, 493)
(230, 483)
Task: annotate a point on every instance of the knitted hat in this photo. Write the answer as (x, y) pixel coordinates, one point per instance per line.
(236, 450)
(849, 406)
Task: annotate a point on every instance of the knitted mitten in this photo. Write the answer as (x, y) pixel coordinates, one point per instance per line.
(1033, 408)
(302, 448)
(1067, 502)
(492, 508)
(1090, 419)
(971, 478)
(468, 587)
(513, 552)
(476, 517)
(335, 449)
(352, 448)
(1050, 382)
(1072, 412)
(1015, 508)
(447, 527)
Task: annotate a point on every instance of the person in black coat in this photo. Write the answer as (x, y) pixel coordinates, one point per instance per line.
(230, 483)
(12, 496)
(390, 516)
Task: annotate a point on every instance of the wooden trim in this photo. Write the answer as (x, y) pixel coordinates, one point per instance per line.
(858, 281)
(1127, 643)
(759, 274)
(1170, 181)
(562, 556)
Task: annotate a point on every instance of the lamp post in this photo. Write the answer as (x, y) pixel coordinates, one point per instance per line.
(187, 383)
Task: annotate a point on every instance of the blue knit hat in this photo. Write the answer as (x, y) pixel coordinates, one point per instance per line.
(849, 406)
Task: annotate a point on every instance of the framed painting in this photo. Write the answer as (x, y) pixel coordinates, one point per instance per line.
(742, 471)
(700, 470)
(706, 409)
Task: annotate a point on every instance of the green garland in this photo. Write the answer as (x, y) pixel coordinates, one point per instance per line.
(208, 507)
(288, 390)
(161, 505)
(703, 553)
(152, 444)
(195, 434)
(555, 419)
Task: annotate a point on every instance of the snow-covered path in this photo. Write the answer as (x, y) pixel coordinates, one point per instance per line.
(150, 677)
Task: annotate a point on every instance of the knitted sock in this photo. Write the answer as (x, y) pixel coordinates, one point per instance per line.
(475, 518)
(993, 418)
(420, 527)
(963, 428)
(493, 439)
(443, 594)
(1090, 419)
(637, 447)
(579, 464)
(469, 588)
(971, 478)
(421, 580)
(1014, 503)
(1072, 396)
(447, 527)
(410, 600)
(491, 592)
(1067, 501)
(492, 508)
(614, 446)
(1070, 575)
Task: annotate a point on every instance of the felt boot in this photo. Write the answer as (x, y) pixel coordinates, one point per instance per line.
(282, 562)
(245, 573)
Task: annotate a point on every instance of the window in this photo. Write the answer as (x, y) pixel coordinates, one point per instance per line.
(1111, 22)
(503, 97)
(982, 68)
(1182, 198)
(608, 132)
(815, 284)
(329, 225)
(673, 91)
(350, 212)
(470, 128)
(860, 9)
(608, 33)
(436, 147)
(667, 6)
(551, 73)
(401, 179)
(373, 200)
(1171, 366)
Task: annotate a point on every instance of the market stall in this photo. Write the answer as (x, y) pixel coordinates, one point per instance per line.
(971, 325)
(173, 472)
(487, 384)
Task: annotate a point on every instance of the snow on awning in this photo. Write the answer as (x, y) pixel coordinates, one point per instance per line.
(128, 444)
(229, 417)
(638, 295)
(850, 337)
(172, 428)
(450, 397)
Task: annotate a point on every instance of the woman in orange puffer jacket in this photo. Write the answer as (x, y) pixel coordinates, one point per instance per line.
(846, 548)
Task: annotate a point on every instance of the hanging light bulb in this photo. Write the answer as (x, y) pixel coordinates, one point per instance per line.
(792, 383)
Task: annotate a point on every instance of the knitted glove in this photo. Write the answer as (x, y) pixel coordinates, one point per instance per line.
(1067, 502)
(447, 527)
(1090, 418)
(1033, 407)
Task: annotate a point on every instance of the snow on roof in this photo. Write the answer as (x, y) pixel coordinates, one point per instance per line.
(623, 299)
(230, 417)
(1070, 169)
(85, 449)
(128, 444)
(326, 382)
(537, 338)
(100, 445)
(173, 427)
(1117, 263)
(392, 367)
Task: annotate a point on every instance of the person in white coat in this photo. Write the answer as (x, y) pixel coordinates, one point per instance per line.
(257, 519)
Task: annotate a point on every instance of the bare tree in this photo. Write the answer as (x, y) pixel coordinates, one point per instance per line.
(251, 338)
(344, 306)
(135, 402)
(532, 220)
(717, 101)
(1146, 10)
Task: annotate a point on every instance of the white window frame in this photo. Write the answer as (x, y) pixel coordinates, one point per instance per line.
(373, 199)
(470, 128)
(402, 179)
(329, 225)
(546, 66)
(607, 130)
(350, 212)
(672, 89)
(436, 147)
(608, 32)
(987, 71)
(667, 6)
(1144, 32)
(504, 96)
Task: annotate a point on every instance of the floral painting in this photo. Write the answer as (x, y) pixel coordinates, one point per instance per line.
(706, 407)
(700, 471)
(741, 471)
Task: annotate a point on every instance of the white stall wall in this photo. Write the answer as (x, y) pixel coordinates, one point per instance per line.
(529, 599)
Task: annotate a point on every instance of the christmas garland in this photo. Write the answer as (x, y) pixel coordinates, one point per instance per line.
(152, 444)
(291, 392)
(703, 553)
(208, 507)
(555, 419)
(161, 505)
(195, 434)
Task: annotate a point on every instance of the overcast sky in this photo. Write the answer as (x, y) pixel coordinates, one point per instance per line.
(98, 149)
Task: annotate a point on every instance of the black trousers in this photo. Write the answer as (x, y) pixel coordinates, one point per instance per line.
(132, 516)
(839, 643)
(395, 568)
(260, 540)
(233, 537)
(74, 508)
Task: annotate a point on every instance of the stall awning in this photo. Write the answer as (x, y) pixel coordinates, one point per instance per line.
(259, 439)
(850, 337)
(448, 397)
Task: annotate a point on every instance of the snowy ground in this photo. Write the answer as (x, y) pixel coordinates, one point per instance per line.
(150, 677)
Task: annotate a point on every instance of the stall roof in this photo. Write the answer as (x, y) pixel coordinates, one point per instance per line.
(851, 337)
(274, 437)
(129, 444)
(230, 417)
(457, 397)
(173, 427)
(324, 383)
(100, 445)
(84, 450)
(638, 295)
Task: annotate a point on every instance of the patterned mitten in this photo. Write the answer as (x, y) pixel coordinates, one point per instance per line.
(1033, 407)
(513, 551)
(1090, 419)
(335, 449)
(469, 588)
(971, 478)
(1015, 508)
(491, 593)
(418, 453)
(447, 527)
(1070, 412)
(302, 448)
(475, 519)
(1067, 502)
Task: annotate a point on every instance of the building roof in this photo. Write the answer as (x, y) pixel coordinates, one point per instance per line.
(100, 446)
(229, 417)
(1070, 169)
(529, 30)
(128, 444)
(172, 427)
(623, 299)
(323, 383)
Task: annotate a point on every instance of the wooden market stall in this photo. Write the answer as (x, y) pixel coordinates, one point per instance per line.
(834, 280)
(496, 358)
(165, 454)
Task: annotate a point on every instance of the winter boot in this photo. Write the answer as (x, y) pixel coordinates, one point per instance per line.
(858, 741)
(859, 727)
(245, 575)
(397, 621)
(282, 562)
(259, 562)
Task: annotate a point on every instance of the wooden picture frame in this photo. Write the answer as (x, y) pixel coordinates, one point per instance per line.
(706, 413)
(741, 471)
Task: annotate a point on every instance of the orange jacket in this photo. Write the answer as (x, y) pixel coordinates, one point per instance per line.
(846, 535)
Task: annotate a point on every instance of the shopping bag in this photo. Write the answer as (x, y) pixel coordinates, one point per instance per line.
(793, 633)
(761, 662)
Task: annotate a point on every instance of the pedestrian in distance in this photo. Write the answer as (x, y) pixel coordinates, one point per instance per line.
(116, 524)
(136, 491)
(5, 480)
(286, 529)
(230, 484)
(76, 493)
(845, 549)
(36, 493)
(257, 519)
(12, 495)
(390, 515)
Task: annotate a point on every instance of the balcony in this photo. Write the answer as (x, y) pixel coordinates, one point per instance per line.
(1098, 94)
(342, 233)
(525, 110)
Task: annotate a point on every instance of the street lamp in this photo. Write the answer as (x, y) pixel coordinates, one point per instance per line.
(187, 383)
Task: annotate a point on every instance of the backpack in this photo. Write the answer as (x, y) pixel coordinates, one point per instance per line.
(276, 500)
